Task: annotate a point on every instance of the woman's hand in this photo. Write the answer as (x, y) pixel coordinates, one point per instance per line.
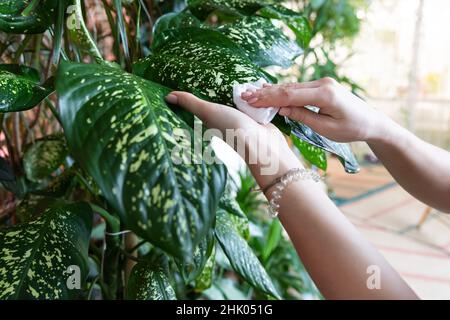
(264, 148)
(343, 117)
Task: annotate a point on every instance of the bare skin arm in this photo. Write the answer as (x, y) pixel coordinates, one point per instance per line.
(333, 251)
(419, 167)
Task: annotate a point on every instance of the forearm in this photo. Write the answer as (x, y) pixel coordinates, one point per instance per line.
(332, 250)
(420, 168)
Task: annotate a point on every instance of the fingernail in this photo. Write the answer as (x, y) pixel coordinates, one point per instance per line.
(285, 112)
(172, 99)
(247, 94)
(252, 100)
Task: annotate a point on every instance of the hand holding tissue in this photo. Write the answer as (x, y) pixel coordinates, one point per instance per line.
(260, 115)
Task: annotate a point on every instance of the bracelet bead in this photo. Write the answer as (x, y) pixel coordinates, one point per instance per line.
(282, 183)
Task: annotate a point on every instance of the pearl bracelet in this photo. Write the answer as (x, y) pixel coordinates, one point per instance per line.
(283, 182)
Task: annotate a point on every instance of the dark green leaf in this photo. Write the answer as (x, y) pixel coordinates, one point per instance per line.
(43, 157)
(264, 43)
(203, 62)
(205, 279)
(191, 270)
(146, 283)
(202, 8)
(241, 257)
(273, 239)
(294, 20)
(33, 206)
(6, 173)
(229, 204)
(342, 150)
(175, 20)
(36, 256)
(18, 16)
(20, 88)
(312, 154)
(121, 131)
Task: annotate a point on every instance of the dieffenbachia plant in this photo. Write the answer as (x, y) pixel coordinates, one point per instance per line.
(116, 156)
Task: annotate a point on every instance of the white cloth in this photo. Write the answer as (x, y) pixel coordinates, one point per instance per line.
(260, 115)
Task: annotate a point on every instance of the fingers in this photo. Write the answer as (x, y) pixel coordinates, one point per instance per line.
(317, 93)
(315, 121)
(282, 96)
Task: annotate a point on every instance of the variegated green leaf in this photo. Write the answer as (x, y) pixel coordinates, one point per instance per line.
(202, 8)
(192, 269)
(20, 88)
(38, 258)
(229, 204)
(203, 62)
(264, 43)
(26, 16)
(241, 256)
(43, 157)
(205, 279)
(121, 131)
(312, 154)
(148, 283)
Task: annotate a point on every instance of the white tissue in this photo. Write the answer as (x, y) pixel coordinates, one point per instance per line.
(260, 115)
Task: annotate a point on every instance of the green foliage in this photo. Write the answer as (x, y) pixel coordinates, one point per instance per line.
(21, 88)
(43, 157)
(145, 283)
(26, 16)
(122, 133)
(36, 255)
(204, 62)
(241, 256)
(192, 235)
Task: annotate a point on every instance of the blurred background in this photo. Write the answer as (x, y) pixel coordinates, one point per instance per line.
(400, 58)
(394, 54)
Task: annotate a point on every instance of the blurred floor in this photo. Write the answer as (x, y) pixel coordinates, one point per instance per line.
(388, 217)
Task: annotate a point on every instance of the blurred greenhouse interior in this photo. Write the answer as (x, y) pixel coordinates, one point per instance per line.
(401, 60)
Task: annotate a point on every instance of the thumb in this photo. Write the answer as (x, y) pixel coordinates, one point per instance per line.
(204, 110)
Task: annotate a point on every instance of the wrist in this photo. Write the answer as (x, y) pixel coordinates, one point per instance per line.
(385, 132)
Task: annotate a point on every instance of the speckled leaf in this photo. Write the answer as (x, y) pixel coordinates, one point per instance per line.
(342, 150)
(205, 279)
(202, 8)
(264, 43)
(294, 20)
(43, 157)
(148, 283)
(123, 134)
(35, 256)
(16, 16)
(241, 256)
(312, 154)
(229, 204)
(20, 88)
(191, 270)
(203, 62)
